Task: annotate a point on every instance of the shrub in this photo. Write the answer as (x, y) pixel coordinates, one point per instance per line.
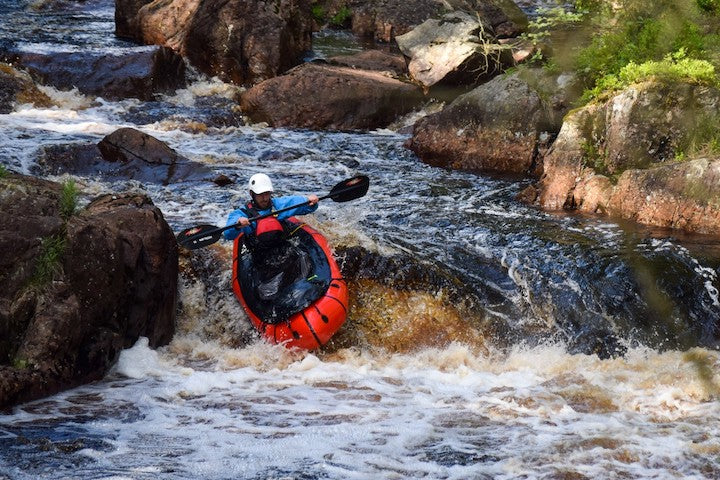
(341, 17)
(668, 39)
(673, 67)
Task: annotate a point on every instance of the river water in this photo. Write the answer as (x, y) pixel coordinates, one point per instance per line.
(528, 399)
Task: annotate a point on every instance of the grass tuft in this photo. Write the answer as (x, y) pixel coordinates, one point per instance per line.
(68, 199)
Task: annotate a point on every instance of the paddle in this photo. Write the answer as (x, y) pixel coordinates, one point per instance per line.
(204, 235)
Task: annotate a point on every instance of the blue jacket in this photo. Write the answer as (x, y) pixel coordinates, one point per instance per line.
(277, 204)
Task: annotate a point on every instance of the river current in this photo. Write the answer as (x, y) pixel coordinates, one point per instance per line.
(520, 405)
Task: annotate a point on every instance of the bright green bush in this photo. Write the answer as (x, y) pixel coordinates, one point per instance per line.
(676, 66)
(638, 39)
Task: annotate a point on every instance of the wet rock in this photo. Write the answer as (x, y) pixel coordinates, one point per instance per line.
(87, 159)
(223, 180)
(77, 288)
(620, 157)
(502, 126)
(143, 157)
(240, 41)
(206, 112)
(16, 88)
(455, 49)
(327, 97)
(139, 75)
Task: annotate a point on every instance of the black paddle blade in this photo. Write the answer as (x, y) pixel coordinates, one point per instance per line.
(199, 236)
(350, 189)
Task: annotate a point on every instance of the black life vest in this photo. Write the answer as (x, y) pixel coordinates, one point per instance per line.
(269, 231)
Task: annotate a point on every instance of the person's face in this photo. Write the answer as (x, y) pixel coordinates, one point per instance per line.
(262, 200)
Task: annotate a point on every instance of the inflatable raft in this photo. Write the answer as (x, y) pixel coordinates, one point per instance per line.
(305, 303)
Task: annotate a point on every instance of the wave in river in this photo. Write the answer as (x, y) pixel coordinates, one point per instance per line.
(196, 409)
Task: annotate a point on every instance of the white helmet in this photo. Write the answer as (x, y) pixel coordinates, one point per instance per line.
(260, 183)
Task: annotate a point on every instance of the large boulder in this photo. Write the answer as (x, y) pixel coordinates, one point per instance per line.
(77, 287)
(140, 74)
(458, 48)
(240, 41)
(628, 157)
(502, 126)
(318, 96)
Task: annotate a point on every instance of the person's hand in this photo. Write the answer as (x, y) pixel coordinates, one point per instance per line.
(243, 222)
(313, 199)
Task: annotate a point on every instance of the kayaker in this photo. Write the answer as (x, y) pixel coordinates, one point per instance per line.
(276, 262)
(262, 202)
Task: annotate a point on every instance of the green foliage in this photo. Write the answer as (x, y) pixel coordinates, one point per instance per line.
(21, 364)
(341, 17)
(318, 13)
(589, 5)
(68, 199)
(3, 171)
(49, 261)
(594, 158)
(626, 39)
(609, 53)
(674, 67)
(709, 5)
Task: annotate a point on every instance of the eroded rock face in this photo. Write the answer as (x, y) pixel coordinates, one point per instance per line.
(624, 157)
(320, 96)
(240, 41)
(76, 289)
(684, 196)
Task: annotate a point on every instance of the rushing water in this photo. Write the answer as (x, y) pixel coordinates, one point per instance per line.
(514, 404)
